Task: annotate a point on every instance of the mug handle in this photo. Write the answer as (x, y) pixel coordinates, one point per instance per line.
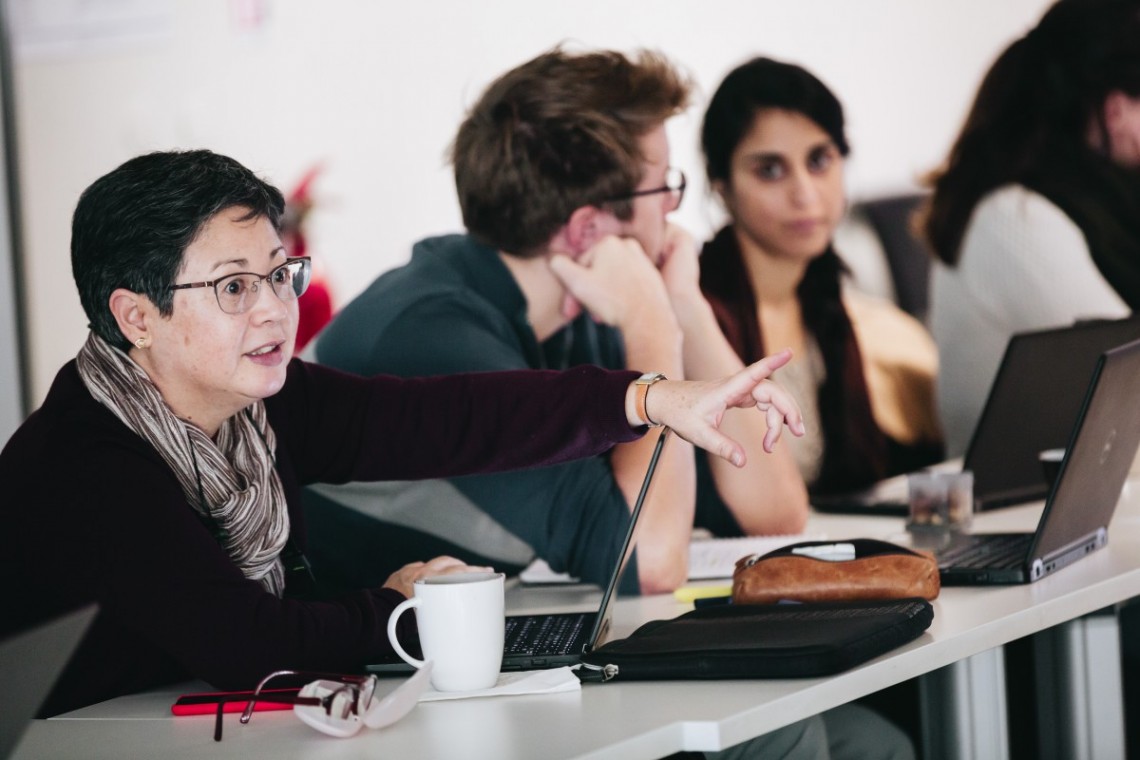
(405, 605)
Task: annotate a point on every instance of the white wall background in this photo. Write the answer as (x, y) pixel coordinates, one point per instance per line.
(374, 91)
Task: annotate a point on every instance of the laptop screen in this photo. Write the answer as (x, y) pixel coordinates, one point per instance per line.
(1033, 405)
(1098, 455)
(30, 663)
(601, 632)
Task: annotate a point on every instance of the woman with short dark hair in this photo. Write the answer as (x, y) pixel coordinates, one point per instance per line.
(161, 477)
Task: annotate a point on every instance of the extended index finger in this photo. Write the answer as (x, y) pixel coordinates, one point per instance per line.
(741, 386)
(769, 364)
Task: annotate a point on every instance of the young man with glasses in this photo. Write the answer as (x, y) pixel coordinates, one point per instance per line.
(562, 170)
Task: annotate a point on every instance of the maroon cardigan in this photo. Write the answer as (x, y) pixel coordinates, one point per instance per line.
(91, 513)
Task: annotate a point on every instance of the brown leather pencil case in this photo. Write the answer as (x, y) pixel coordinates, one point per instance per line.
(879, 570)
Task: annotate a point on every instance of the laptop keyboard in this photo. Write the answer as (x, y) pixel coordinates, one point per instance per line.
(987, 551)
(547, 634)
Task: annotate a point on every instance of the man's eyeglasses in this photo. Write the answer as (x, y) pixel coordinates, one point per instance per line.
(675, 184)
(237, 293)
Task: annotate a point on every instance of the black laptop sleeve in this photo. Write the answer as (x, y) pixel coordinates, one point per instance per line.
(760, 641)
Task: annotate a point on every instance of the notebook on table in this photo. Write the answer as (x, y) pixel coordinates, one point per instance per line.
(30, 663)
(714, 558)
(710, 557)
(553, 640)
(1032, 405)
(1098, 455)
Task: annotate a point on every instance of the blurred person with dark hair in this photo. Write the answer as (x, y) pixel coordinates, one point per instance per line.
(1035, 216)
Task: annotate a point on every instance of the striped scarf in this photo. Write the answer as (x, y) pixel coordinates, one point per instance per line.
(231, 482)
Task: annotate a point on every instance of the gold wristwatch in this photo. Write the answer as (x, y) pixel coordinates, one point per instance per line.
(642, 390)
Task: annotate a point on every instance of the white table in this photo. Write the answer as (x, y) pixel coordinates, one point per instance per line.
(653, 719)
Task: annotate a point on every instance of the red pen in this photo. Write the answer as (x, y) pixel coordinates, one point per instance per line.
(206, 703)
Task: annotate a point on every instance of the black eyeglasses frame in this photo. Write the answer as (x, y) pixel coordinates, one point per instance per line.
(678, 185)
(305, 272)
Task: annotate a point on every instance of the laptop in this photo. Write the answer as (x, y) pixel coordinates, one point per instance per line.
(30, 663)
(1032, 406)
(552, 640)
(1098, 457)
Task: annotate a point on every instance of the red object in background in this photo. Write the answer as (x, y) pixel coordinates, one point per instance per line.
(316, 311)
(316, 306)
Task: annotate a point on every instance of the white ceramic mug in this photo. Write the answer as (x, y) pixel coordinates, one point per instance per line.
(460, 619)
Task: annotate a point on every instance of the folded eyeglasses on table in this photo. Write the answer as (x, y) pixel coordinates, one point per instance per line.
(334, 704)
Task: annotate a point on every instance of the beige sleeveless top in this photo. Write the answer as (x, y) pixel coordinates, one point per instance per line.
(802, 377)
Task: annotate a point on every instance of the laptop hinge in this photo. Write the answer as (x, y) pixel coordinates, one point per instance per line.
(1069, 553)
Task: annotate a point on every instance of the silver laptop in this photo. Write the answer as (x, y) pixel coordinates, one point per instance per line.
(30, 663)
(1032, 405)
(534, 642)
(1098, 456)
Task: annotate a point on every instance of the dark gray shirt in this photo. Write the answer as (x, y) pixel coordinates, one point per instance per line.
(455, 307)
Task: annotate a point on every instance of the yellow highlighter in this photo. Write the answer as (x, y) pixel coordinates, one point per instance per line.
(693, 593)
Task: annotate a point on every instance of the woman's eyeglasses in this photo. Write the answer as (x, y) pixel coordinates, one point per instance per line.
(335, 704)
(342, 698)
(237, 293)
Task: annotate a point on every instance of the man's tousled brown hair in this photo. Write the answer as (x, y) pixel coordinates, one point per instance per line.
(555, 134)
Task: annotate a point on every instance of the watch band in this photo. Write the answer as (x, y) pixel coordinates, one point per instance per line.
(642, 391)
